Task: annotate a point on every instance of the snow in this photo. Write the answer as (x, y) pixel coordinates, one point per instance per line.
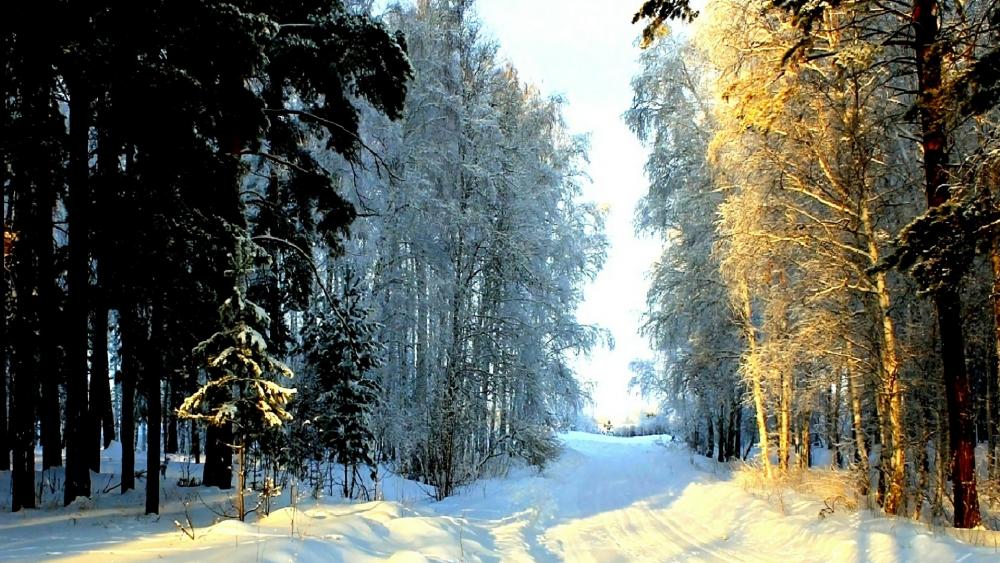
(606, 499)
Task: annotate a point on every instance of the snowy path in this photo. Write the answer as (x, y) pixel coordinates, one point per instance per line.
(605, 500)
(628, 500)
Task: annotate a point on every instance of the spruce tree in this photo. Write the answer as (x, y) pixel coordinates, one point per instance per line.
(245, 387)
(340, 352)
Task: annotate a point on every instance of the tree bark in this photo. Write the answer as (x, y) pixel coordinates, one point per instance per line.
(961, 415)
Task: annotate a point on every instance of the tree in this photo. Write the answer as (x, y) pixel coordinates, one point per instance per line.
(245, 387)
(878, 53)
(341, 353)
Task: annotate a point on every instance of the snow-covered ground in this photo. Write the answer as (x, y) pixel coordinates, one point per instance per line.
(605, 499)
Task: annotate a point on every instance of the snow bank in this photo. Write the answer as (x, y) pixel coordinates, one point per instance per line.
(605, 499)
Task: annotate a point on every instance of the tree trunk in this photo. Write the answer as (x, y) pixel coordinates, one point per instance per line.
(735, 421)
(24, 384)
(130, 368)
(940, 466)
(102, 418)
(4, 437)
(723, 434)
(756, 377)
(931, 105)
(25, 365)
(785, 421)
(218, 470)
(241, 481)
(710, 442)
(894, 437)
(833, 425)
(961, 416)
(78, 278)
(805, 442)
(858, 426)
(23, 430)
(170, 417)
(49, 333)
(5, 335)
(107, 201)
(993, 386)
(151, 382)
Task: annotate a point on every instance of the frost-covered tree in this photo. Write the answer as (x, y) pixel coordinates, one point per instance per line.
(688, 319)
(810, 100)
(474, 247)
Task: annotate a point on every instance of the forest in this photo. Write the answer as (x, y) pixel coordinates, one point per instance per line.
(266, 254)
(320, 241)
(824, 176)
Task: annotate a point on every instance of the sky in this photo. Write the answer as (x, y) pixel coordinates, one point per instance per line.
(585, 51)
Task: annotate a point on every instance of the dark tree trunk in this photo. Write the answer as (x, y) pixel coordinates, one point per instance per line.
(170, 417)
(102, 419)
(151, 380)
(833, 425)
(218, 471)
(24, 384)
(735, 421)
(723, 434)
(130, 367)
(23, 427)
(78, 310)
(961, 415)
(710, 442)
(100, 391)
(4, 440)
(5, 335)
(48, 334)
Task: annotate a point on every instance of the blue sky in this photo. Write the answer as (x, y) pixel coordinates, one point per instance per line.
(585, 51)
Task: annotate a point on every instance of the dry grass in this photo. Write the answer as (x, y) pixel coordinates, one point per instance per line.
(835, 490)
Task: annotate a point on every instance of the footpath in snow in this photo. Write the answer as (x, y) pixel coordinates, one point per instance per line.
(605, 500)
